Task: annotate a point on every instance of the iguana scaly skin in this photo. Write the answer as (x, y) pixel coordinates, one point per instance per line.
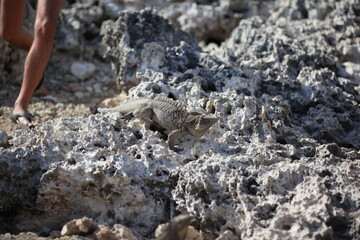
(169, 114)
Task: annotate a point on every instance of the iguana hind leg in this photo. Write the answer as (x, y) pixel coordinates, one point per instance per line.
(140, 113)
(127, 116)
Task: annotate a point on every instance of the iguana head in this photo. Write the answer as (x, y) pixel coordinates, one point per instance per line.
(198, 123)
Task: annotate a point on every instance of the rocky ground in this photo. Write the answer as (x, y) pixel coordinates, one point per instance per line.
(283, 162)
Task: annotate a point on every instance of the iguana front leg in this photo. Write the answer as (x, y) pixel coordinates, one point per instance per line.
(173, 135)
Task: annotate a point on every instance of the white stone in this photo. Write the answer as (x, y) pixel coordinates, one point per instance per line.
(82, 70)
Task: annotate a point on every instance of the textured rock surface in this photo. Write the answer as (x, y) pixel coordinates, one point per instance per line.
(98, 179)
(83, 226)
(208, 23)
(282, 163)
(148, 42)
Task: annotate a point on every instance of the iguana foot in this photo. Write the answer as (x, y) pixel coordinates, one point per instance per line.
(127, 116)
(176, 149)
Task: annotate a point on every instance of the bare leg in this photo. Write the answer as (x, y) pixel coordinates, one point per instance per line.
(11, 24)
(39, 54)
(143, 113)
(12, 30)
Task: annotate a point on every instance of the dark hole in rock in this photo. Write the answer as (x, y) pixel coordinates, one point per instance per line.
(250, 186)
(154, 87)
(138, 134)
(320, 120)
(340, 226)
(327, 184)
(172, 96)
(281, 140)
(338, 197)
(72, 161)
(187, 160)
(325, 173)
(110, 214)
(150, 155)
(204, 196)
(213, 40)
(99, 145)
(286, 227)
(347, 125)
(91, 35)
(208, 86)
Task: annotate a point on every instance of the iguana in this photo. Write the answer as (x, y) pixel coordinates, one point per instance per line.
(169, 114)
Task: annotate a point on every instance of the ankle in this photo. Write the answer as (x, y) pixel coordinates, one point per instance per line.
(20, 107)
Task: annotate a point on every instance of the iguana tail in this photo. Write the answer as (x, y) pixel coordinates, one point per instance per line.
(128, 106)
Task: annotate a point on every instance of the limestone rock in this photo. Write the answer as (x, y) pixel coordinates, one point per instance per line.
(117, 232)
(83, 226)
(207, 23)
(3, 138)
(146, 33)
(82, 70)
(177, 229)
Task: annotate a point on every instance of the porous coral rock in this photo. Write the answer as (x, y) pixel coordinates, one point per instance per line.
(207, 23)
(90, 172)
(133, 35)
(83, 226)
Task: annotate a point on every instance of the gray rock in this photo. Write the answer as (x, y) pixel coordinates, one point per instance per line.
(3, 138)
(87, 176)
(82, 70)
(206, 23)
(351, 71)
(128, 47)
(84, 226)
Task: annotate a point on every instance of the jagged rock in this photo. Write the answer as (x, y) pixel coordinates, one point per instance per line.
(122, 232)
(306, 64)
(106, 185)
(33, 236)
(113, 8)
(177, 229)
(3, 138)
(118, 231)
(82, 70)
(145, 35)
(351, 71)
(207, 23)
(227, 235)
(84, 226)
